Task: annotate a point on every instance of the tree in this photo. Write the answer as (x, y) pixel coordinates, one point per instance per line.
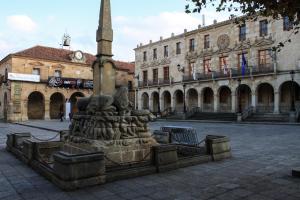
(249, 8)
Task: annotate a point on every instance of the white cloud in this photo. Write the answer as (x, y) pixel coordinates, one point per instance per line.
(131, 31)
(51, 18)
(21, 23)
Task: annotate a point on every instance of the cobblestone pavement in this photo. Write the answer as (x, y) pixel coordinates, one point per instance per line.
(263, 156)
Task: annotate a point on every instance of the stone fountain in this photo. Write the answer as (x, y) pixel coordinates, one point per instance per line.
(106, 121)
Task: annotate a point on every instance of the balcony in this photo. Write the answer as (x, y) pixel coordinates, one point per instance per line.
(153, 83)
(250, 71)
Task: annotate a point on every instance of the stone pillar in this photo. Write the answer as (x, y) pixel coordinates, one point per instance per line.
(253, 102)
(276, 102)
(233, 103)
(47, 110)
(24, 108)
(216, 103)
(200, 100)
(150, 104)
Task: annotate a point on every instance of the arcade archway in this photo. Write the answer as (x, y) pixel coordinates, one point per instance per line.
(36, 106)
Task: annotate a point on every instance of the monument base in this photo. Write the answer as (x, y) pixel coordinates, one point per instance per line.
(119, 152)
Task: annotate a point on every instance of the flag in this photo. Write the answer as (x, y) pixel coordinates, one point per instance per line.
(225, 68)
(244, 64)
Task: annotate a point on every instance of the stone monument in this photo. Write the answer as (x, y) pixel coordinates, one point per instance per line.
(106, 121)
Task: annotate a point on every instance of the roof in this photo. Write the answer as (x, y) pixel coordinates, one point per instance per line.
(63, 55)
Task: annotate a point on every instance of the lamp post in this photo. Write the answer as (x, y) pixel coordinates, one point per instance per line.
(293, 109)
(184, 105)
(136, 99)
(137, 91)
(158, 107)
(239, 96)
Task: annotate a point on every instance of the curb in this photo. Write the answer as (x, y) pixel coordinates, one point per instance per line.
(228, 122)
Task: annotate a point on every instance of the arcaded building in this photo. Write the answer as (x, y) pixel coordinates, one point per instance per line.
(39, 82)
(222, 68)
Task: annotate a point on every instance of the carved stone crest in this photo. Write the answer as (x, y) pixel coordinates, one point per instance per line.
(223, 41)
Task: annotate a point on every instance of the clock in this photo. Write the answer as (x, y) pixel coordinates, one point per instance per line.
(78, 55)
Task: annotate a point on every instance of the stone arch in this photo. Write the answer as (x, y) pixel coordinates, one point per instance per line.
(225, 99)
(57, 103)
(285, 91)
(145, 101)
(265, 98)
(244, 98)
(178, 101)
(155, 102)
(208, 99)
(5, 107)
(36, 105)
(192, 98)
(166, 100)
(73, 101)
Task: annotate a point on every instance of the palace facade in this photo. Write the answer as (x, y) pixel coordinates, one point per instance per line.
(39, 82)
(222, 68)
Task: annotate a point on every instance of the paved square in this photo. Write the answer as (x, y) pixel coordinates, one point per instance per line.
(263, 156)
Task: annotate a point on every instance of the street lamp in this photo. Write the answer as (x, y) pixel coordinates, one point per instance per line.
(239, 96)
(136, 91)
(136, 99)
(158, 100)
(292, 73)
(184, 106)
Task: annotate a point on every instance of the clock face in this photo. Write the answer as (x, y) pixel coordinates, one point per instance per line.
(78, 55)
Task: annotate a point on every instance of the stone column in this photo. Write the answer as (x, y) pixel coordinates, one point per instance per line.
(233, 103)
(216, 103)
(24, 108)
(47, 110)
(253, 102)
(276, 102)
(151, 104)
(200, 100)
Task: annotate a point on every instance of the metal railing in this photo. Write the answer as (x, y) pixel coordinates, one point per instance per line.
(247, 112)
(157, 82)
(231, 73)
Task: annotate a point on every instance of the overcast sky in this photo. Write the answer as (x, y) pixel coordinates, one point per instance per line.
(26, 23)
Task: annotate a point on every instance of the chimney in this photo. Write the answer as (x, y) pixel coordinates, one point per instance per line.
(185, 30)
(215, 21)
(161, 38)
(199, 26)
(150, 41)
(172, 35)
(203, 20)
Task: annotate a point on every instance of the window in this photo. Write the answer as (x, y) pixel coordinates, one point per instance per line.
(166, 51)
(178, 48)
(264, 57)
(263, 28)
(191, 69)
(224, 65)
(207, 66)
(144, 56)
(36, 71)
(57, 73)
(154, 54)
(145, 77)
(240, 60)
(130, 86)
(206, 42)
(287, 24)
(155, 75)
(192, 45)
(166, 74)
(242, 34)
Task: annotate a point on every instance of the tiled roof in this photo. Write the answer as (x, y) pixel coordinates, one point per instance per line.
(63, 55)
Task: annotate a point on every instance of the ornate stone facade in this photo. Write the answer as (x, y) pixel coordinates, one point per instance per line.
(22, 99)
(210, 60)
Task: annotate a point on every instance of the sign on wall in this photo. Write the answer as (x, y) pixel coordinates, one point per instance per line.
(70, 83)
(24, 77)
(17, 97)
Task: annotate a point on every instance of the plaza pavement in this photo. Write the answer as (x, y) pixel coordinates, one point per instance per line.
(263, 156)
